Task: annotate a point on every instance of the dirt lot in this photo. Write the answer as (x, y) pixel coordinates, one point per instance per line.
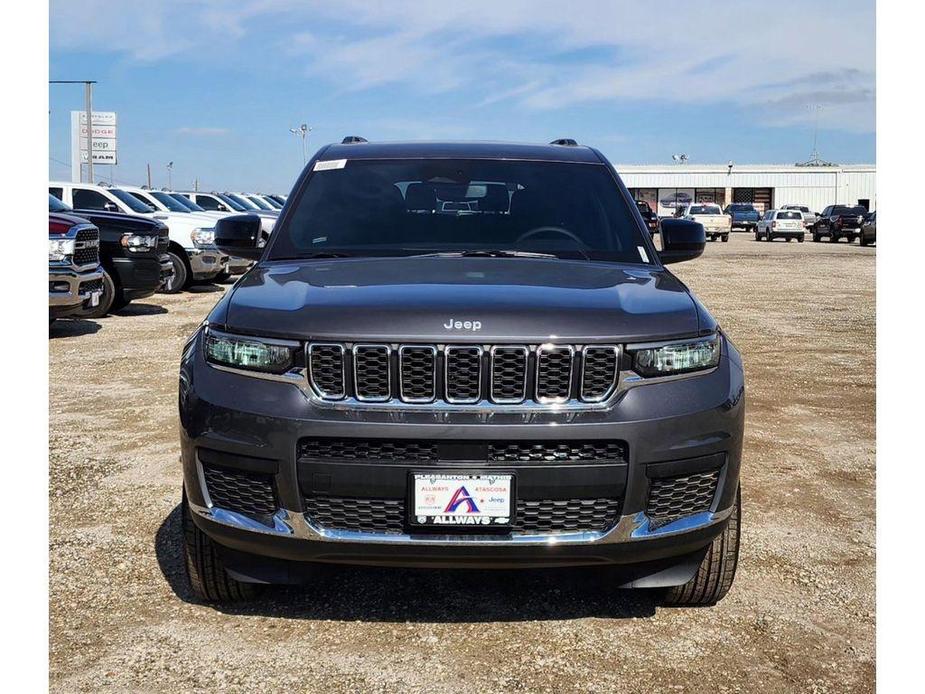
(799, 618)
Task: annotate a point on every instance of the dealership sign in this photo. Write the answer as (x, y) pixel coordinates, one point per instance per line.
(102, 135)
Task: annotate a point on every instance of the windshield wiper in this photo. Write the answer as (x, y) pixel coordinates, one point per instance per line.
(485, 253)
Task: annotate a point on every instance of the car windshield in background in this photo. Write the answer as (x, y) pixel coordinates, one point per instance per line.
(131, 201)
(167, 201)
(410, 207)
(233, 204)
(242, 201)
(789, 215)
(742, 208)
(705, 209)
(55, 205)
(258, 202)
(849, 210)
(186, 202)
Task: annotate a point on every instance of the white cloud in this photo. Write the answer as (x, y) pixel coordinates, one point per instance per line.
(770, 60)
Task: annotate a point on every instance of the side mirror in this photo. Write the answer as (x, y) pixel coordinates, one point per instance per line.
(239, 235)
(110, 207)
(160, 215)
(682, 240)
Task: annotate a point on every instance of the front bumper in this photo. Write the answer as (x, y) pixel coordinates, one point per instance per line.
(70, 290)
(206, 263)
(138, 277)
(238, 266)
(670, 428)
(747, 226)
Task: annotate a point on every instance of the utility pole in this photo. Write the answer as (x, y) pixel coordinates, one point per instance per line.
(88, 105)
(169, 167)
(149, 176)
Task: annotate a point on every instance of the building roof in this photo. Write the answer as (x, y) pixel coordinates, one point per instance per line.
(682, 169)
(461, 150)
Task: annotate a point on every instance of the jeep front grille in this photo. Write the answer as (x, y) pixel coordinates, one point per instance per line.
(674, 497)
(248, 493)
(548, 374)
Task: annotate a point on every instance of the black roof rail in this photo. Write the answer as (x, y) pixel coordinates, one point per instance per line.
(353, 140)
(565, 141)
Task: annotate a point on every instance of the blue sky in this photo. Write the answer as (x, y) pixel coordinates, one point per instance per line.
(215, 85)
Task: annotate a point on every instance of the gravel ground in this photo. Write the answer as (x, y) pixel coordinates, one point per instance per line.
(800, 616)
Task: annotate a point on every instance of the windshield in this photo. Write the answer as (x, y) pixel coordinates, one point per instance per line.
(271, 202)
(258, 202)
(242, 201)
(408, 207)
(842, 209)
(705, 209)
(167, 201)
(186, 202)
(55, 205)
(131, 201)
(741, 208)
(233, 204)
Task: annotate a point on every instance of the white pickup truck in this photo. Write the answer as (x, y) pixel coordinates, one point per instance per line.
(163, 202)
(715, 223)
(192, 249)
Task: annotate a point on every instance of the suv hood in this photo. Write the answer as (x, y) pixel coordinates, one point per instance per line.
(409, 299)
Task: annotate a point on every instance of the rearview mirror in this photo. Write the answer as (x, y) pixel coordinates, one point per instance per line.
(239, 235)
(682, 239)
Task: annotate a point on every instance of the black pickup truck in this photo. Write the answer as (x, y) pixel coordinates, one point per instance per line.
(839, 221)
(133, 254)
(648, 216)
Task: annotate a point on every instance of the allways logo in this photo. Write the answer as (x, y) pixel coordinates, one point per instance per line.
(461, 496)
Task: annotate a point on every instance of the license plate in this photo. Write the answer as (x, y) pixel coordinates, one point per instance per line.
(461, 499)
(95, 298)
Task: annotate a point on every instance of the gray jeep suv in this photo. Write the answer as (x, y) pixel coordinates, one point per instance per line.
(461, 355)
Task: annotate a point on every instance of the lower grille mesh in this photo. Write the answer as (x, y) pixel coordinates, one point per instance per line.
(247, 493)
(533, 516)
(673, 497)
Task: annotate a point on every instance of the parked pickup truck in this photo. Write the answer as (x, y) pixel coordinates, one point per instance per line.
(220, 202)
(192, 251)
(494, 383)
(75, 278)
(744, 216)
(839, 221)
(648, 216)
(809, 217)
(715, 222)
(133, 255)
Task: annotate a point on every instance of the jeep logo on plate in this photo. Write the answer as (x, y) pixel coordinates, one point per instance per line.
(473, 325)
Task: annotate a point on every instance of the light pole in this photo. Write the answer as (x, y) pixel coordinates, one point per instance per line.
(302, 131)
(169, 167)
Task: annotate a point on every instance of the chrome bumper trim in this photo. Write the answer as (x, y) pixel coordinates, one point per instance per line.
(631, 528)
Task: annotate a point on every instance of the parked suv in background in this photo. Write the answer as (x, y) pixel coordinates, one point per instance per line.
(781, 224)
(809, 217)
(715, 222)
(743, 216)
(839, 221)
(75, 278)
(132, 252)
(192, 251)
(513, 379)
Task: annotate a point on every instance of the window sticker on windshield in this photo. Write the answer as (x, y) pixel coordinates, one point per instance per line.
(643, 254)
(330, 164)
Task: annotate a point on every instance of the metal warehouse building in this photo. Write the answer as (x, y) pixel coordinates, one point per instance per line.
(664, 187)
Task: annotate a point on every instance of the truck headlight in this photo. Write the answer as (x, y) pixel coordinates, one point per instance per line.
(137, 243)
(202, 237)
(60, 249)
(676, 357)
(248, 353)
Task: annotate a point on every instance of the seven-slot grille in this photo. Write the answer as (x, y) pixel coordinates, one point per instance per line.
(464, 374)
(87, 247)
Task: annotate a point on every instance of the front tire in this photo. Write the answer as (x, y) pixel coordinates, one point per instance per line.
(725, 238)
(863, 240)
(106, 300)
(204, 566)
(180, 277)
(717, 570)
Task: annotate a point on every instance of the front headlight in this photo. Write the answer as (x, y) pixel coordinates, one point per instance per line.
(676, 357)
(137, 243)
(202, 237)
(60, 249)
(248, 353)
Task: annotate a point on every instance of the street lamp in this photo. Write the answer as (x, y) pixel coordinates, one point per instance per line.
(302, 131)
